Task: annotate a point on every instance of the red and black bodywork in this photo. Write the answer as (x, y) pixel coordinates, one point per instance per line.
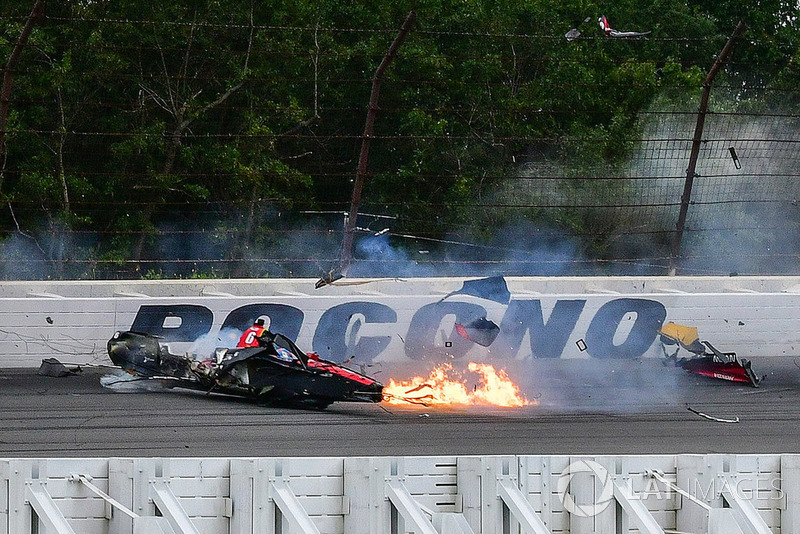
(705, 359)
(722, 365)
(277, 372)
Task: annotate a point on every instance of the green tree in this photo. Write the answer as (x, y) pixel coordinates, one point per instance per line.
(192, 125)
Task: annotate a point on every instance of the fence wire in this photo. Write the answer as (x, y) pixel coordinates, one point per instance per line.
(540, 211)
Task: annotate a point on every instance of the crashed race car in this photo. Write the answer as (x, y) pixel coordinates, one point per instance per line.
(704, 359)
(276, 372)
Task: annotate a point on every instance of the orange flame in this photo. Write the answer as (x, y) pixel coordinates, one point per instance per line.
(495, 389)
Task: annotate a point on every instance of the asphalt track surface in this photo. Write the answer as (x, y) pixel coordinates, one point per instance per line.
(599, 408)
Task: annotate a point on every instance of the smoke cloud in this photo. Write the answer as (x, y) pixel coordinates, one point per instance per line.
(204, 346)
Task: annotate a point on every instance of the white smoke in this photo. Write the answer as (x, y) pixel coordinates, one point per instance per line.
(204, 346)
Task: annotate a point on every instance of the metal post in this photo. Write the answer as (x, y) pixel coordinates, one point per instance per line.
(8, 72)
(405, 504)
(635, 510)
(749, 517)
(519, 507)
(170, 507)
(698, 134)
(46, 509)
(291, 509)
(361, 172)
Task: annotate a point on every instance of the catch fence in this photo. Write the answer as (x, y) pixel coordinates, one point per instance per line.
(227, 147)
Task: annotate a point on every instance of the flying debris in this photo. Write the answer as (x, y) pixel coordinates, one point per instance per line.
(704, 359)
(574, 33)
(608, 30)
(277, 372)
(734, 157)
(330, 277)
(481, 331)
(493, 288)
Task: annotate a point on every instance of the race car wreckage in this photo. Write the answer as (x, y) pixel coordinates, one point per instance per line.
(704, 358)
(276, 372)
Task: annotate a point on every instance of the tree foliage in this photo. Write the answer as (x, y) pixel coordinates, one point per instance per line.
(228, 119)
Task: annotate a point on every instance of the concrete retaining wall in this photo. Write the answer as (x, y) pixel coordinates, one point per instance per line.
(393, 320)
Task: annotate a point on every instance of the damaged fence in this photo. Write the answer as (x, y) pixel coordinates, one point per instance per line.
(425, 495)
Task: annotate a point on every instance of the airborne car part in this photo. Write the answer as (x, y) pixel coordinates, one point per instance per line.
(276, 373)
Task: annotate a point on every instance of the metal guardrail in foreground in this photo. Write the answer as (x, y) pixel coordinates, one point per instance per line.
(658, 494)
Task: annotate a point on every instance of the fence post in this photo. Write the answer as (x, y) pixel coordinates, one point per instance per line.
(361, 171)
(696, 141)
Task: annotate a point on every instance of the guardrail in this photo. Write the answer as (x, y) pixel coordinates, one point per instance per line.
(656, 494)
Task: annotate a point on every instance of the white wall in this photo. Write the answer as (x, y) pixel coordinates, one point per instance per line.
(363, 495)
(393, 320)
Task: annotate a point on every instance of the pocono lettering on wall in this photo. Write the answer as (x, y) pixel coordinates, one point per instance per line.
(477, 319)
(334, 337)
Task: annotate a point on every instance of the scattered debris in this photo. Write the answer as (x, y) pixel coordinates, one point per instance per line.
(53, 367)
(329, 278)
(425, 400)
(481, 331)
(712, 418)
(334, 280)
(735, 158)
(127, 383)
(704, 358)
(418, 388)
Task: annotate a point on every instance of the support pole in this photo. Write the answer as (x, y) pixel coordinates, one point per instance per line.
(520, 508)
(401, 498)
(751, 520)
(361, 172)
(636, 510)
(8, 74)
(85, 480)
(292, 510)
(46, 509)
(171, 508)
(696, 141)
